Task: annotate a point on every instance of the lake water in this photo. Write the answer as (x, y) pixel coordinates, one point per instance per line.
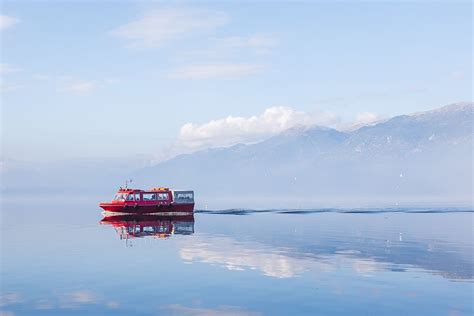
(59, 259)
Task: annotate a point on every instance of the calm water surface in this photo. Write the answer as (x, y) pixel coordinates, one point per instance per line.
(58, 258)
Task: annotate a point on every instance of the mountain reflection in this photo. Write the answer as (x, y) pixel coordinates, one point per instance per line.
(362, 258)
(323, 243)
(156, 226)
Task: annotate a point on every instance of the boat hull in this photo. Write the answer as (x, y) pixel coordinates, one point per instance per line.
(147, 209)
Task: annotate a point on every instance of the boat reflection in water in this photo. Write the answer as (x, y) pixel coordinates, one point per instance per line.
(156, 226)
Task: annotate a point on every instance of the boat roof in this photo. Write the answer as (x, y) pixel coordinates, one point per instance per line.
(128, 190)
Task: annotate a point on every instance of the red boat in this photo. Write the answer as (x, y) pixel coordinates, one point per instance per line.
(156, 200)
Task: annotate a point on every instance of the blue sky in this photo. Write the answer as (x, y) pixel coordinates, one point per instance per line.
(132, 79)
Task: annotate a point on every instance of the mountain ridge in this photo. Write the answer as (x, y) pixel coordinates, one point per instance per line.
(302, 129)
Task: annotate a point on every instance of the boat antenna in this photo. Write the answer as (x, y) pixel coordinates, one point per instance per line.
(127, 182)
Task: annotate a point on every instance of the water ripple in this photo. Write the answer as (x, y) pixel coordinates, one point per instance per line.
(339, 210)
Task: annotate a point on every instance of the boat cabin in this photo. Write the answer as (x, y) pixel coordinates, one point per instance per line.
(155, 196)
(149, 201)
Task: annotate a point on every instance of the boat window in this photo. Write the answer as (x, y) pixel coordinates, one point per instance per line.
(183, 197)
(130, 197)
(120, 197)
(149, 196)
(137, 196)
(162, 196)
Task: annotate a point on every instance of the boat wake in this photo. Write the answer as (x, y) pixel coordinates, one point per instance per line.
(338, 210)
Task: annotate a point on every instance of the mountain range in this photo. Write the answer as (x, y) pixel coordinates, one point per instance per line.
(422, 158)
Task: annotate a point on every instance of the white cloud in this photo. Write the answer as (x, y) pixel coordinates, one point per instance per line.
(235, 129)
(66, 300)
(78, 298)
(362, 119)
(7, 22)
(177, 309)
(230, 48)
(234, 256)
(271, 262)
(164, 25)
(80, 87)
(213, 71)
(366, 118)
(11, 298)
(84, 297)
(74, 85)
(6, 69)
(112, 304)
